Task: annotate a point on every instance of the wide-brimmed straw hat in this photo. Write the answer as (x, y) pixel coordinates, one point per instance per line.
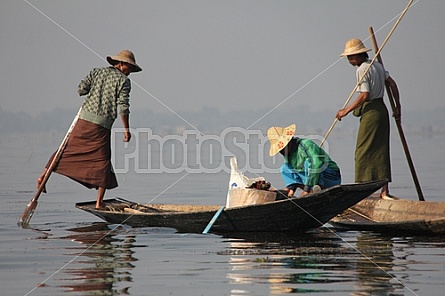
(354, 46)
(279, 137)
(127, 57)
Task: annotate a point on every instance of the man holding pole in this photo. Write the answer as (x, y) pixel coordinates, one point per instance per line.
(87, 155)
(372, 154)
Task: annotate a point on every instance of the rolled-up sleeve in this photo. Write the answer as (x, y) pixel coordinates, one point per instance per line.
(124, 98)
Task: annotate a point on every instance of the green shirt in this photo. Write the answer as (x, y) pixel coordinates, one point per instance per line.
(107, 92)
(310, 159)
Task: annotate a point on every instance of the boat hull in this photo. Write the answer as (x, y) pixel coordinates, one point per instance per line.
(294, 214)
(399, 216)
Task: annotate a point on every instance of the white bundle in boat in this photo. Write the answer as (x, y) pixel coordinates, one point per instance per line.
(239, 193)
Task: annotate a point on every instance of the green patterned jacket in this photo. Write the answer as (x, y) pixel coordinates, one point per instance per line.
(107, 93)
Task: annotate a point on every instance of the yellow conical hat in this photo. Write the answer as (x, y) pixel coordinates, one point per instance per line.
(279, 137)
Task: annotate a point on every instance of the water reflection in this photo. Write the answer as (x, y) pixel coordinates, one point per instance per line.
(375, 266)
(104, 260)
(321, 262)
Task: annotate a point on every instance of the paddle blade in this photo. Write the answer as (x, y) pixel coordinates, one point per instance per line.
(213, 220)
(27, 213)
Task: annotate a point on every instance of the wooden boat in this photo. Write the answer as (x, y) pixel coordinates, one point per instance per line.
(293, 214)
(398, 216)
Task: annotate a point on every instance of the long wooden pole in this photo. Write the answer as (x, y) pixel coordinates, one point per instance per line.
(398, 122)
(367, 69)
(30, 208)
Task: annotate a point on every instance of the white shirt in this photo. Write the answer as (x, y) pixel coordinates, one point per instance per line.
(374, 81)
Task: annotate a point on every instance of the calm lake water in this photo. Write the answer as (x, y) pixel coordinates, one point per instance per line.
(66, 251)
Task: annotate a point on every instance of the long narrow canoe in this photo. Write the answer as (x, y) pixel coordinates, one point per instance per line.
(293, 214)
(399, 216)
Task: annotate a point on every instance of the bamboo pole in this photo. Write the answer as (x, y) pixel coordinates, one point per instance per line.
(32, 205)
(367, 69)
(398, 122)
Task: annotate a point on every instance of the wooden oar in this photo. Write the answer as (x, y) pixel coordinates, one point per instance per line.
(30, 208)
(398, 122)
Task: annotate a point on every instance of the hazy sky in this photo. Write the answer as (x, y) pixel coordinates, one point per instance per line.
(222, 54)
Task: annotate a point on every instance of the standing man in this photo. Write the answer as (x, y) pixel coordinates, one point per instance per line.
(372, 153)
(87, 155)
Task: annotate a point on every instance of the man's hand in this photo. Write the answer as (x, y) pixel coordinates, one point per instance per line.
(397, 114)
(127, 136)
(341, 113)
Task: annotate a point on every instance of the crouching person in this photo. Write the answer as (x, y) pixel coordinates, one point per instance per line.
(306, 165)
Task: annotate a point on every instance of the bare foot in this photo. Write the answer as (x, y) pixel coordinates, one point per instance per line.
(388, 197)
(39, 181)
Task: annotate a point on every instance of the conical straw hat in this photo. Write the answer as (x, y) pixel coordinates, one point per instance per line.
(279, 137)
(354, 46)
